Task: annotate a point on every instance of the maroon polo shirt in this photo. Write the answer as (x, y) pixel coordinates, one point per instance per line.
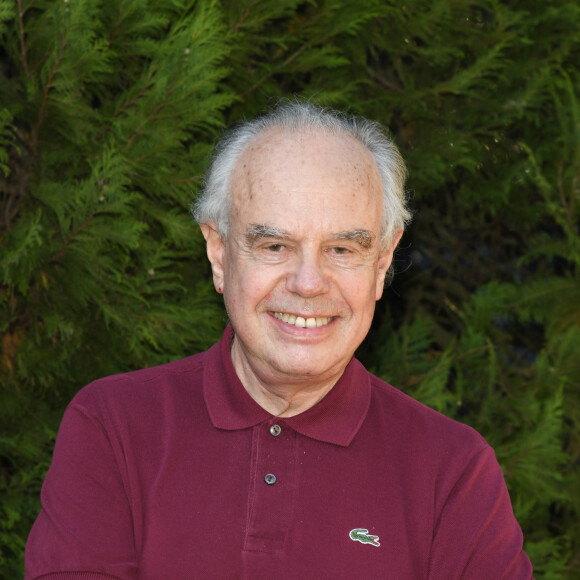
(176, 473)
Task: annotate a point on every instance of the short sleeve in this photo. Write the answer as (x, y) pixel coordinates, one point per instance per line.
(84, 531)
(477, 536)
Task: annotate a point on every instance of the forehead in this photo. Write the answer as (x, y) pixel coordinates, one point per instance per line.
(310, 175)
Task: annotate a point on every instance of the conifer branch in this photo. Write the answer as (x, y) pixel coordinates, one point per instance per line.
(274, 70)
(130, 102)
(23, 51)
(17, 192)
(574, 193)
(115, 30)
(384, 82)
(34, 132)
(155, 110)
(561, 191)
(70, 238)
(135, 97)
(244, 15)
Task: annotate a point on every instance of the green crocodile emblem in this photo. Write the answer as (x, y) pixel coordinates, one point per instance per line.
(362, 535)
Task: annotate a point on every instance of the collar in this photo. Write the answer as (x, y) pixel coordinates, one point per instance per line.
(335, 419)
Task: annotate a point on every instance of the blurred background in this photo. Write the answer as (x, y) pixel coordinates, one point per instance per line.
(108, 114)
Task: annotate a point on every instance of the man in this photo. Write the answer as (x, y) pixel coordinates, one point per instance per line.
(276, 454)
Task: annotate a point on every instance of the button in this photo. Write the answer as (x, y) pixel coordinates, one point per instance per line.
(275, 430)
(270, 479)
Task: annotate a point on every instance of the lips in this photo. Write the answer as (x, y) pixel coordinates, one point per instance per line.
(302, 322)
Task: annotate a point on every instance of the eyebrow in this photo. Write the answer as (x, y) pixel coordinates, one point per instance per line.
(363, 238)
(260, 231)
(256, 232)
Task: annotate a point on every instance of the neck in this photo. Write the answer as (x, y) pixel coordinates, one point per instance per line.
(280, 394)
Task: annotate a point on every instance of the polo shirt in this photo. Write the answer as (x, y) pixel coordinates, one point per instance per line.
(175, 472)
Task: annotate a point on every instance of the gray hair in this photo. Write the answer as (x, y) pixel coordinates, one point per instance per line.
(213, 203)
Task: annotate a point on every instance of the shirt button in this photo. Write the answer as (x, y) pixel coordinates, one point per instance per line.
(275, 430)
(270, 479)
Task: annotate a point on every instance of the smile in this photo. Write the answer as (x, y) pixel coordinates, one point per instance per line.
(302, 322)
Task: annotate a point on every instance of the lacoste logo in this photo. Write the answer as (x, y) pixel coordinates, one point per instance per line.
(362, 535)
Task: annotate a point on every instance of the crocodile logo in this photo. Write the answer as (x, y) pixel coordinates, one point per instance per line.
(362, 535)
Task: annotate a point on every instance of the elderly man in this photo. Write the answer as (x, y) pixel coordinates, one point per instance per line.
(275, 454)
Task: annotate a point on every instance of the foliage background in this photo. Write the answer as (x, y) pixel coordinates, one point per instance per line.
(108, 112)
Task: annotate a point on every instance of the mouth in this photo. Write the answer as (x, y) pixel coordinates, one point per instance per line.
(301, 322)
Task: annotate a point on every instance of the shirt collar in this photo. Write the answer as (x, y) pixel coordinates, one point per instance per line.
(335, 419)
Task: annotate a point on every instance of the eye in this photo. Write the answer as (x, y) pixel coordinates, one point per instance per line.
(340, 250)
(275, 248)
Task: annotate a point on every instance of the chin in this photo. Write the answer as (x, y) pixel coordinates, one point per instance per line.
(308, 368)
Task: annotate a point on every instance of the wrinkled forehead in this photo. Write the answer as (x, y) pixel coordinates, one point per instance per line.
(279, 160)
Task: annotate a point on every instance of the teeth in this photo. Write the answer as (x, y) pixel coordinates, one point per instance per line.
(302, 322)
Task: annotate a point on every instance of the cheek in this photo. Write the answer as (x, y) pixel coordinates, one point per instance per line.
(359, 292)
(252, 286)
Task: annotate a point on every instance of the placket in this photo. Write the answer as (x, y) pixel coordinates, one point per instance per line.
(272, 486)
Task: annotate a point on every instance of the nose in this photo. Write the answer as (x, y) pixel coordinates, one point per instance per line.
(307, 277)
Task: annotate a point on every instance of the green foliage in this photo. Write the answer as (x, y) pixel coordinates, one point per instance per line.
(117, 105)
(107, 117)
(5, 140)
(29, 453)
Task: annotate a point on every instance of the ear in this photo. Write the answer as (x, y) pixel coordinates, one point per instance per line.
(215, 252)
(385, 260)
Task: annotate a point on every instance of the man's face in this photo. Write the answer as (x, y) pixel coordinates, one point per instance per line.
(302, 267)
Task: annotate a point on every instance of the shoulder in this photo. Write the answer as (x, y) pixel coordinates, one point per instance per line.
(434, 454)
(419, 426)
(143, 392)
(157, 375)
